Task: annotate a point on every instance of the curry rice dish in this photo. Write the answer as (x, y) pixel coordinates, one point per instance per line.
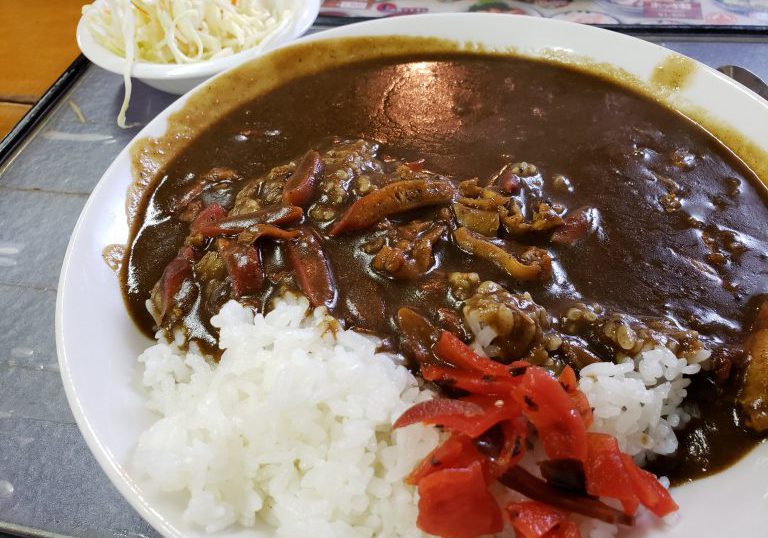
(533, 212)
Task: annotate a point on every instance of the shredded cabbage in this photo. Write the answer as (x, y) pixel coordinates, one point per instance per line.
(181, 31)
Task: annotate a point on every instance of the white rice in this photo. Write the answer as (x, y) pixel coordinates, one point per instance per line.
(292, 428)
(640, 400)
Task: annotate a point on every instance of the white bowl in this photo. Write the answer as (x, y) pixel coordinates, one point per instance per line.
(180, 78)
(97, 342)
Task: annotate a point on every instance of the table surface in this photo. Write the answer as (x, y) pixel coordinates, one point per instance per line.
(50, 484)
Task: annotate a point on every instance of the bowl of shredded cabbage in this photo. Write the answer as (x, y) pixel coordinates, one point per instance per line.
(174, 45)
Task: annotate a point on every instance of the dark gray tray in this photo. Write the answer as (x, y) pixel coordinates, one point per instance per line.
(58, 489)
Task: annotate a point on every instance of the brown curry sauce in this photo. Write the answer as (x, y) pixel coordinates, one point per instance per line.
(682, 230)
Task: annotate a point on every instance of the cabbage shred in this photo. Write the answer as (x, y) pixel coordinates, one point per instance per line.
(181, 31)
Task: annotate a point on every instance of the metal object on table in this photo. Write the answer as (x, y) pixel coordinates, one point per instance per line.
(57, 487)
(746, 78)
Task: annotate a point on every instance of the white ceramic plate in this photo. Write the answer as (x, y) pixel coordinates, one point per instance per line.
(98, 344)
